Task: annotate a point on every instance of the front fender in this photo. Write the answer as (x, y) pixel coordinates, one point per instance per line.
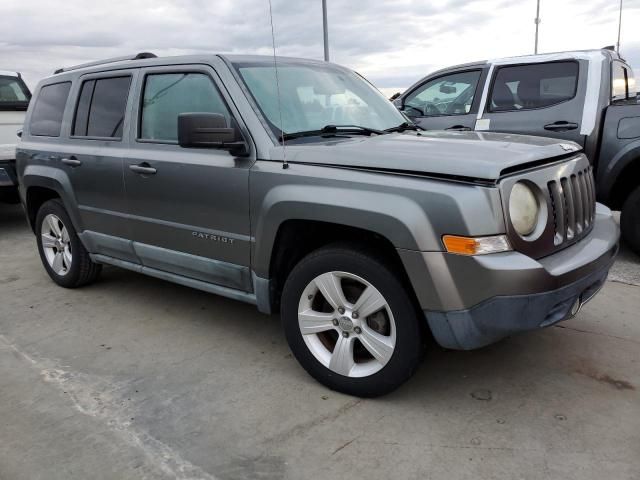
(614, 167)
(411, 213)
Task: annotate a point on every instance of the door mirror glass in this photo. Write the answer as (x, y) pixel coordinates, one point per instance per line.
(204, 130)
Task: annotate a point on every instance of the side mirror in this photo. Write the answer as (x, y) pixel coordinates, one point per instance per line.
(394, 96)
(209, 130)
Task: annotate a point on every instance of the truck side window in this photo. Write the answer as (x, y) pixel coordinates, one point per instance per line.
(448, 95)
(167, 95)
(101, 107)
(46, 119)
(537, 85)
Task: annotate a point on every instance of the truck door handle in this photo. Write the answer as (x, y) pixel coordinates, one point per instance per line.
(71, 161)
(460, 128)
(561, 126)
(143, 168)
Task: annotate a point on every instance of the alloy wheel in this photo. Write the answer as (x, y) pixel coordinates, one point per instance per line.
(56, 244)
(347, 324)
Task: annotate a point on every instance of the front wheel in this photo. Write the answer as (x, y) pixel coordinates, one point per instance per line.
(350, 322)
(630, 221)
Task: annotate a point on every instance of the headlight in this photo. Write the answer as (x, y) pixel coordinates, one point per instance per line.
(523, 209)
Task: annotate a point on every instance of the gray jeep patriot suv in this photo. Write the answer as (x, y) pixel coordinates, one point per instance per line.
(302, 190)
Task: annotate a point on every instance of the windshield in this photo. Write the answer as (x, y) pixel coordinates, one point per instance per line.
(14, 94)
(313, 96)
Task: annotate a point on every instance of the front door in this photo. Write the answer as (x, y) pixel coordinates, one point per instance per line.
(189, 207)
(445, 102)
(543, 99)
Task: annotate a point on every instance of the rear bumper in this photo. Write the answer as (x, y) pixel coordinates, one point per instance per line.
(8, 183)
(470, 302)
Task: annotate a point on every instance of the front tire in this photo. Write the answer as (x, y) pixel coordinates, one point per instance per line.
(630, 221)
(64, 257)
(350, 323)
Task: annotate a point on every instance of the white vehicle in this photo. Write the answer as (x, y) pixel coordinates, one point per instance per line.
(14, 99)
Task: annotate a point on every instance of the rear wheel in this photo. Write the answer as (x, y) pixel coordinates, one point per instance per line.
(630, 220)
(64, 257)
(350, 322)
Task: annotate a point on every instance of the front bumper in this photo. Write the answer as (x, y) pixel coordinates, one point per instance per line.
(470, 302)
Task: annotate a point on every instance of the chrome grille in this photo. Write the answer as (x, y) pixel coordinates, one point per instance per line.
(573, 205)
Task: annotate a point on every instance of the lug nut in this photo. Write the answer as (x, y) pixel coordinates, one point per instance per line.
(341, 310)
(335, 322)
(310, 297)
(355, 315)
(357, 330)
(345, 334)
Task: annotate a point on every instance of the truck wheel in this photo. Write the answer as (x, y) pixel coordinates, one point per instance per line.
(630, 221)
(63, 255)
(350, 322)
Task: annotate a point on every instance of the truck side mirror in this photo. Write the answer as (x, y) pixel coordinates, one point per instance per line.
(209, 130)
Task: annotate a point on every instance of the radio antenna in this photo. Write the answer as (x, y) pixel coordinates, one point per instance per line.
(285, 165)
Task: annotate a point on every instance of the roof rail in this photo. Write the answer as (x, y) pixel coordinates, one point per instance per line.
(138, 56)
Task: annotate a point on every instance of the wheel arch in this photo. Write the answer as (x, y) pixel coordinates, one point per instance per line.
(622, 177)
(40, 184)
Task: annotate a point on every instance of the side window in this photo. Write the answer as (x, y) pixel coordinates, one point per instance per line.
(448, 95)
(46, 119)
(166, 95)
(101, 107)
(538, 85)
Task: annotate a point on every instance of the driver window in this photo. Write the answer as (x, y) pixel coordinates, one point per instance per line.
(447, 95)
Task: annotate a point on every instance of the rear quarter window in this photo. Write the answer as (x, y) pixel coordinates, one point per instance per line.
(46, 119)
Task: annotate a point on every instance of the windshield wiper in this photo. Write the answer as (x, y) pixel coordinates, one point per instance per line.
(331, 130)
(404, 126)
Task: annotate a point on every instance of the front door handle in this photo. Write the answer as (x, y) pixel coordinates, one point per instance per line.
(71, 161)
(460, 128)
(561, 126)
(144, 168)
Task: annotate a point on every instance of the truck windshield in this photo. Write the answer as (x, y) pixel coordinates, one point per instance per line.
(314, 97)
(14, 94)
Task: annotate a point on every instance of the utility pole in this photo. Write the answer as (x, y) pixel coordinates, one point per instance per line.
(537, 20)
(325, 29)
(619, 26)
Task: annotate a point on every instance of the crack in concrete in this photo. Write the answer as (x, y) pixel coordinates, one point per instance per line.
(597, 333)
(98, 398)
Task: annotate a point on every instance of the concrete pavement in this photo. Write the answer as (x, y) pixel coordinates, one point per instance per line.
(135, 378)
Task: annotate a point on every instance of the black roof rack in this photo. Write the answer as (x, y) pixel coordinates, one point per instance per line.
(137, 56)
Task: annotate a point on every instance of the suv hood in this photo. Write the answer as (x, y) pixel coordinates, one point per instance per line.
(464, 155)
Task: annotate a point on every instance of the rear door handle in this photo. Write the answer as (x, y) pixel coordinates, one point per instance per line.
(71, 161)
(460, 128)
(143, 168)
(561, 126)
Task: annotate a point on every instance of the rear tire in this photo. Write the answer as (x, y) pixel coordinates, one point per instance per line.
(364, 337)
(630, 221)
(64, 257)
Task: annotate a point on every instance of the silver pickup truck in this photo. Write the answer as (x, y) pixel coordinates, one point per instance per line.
(588, 97)
(14, 99)
(302, 190)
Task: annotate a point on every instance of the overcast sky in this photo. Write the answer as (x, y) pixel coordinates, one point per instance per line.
(392, 42)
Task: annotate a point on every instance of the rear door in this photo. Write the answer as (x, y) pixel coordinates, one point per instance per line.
(447, 102)
(189, 206)
(93, 158)
(543, 99)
